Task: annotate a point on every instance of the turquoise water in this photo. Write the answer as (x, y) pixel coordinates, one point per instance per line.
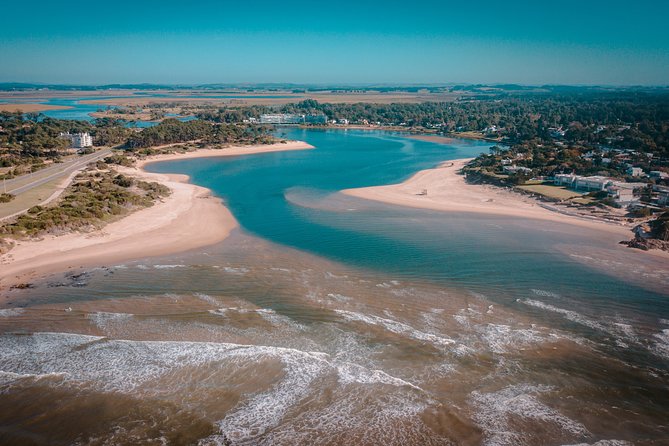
(81, 111)
(291, 198)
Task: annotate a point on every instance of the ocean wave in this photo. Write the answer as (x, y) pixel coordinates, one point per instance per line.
(107, 321)
(139, 368)
(662, 343)
(396, 327)
(568, 314)
(544, 293)
(267, 314)
(207, 298)
(240, 271)
(498, 410)
(605, 443)
(339, 297)
(10, 312)
(503, 338)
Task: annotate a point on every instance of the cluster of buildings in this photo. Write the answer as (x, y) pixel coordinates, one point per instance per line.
(289, 118)
(623, 193)
(513, 169)
(78, 140)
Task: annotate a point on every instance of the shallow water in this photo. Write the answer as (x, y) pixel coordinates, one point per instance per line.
(332, 320)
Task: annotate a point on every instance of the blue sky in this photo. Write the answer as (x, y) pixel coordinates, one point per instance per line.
(567, 42)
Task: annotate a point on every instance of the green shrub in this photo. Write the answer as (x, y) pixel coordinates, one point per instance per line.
(6, 198)
(123, 181)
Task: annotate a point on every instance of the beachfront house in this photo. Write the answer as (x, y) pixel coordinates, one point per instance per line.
(564, 179)
(513, 169)
(592, 184)
(661, 195)
(634, 171)
(622, 194)
(657, 174)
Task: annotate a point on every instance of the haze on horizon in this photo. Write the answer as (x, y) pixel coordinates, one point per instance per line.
(307, 42)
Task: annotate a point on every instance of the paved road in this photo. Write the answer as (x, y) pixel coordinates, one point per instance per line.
(24, 183)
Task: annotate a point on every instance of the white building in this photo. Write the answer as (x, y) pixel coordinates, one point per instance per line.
(81, 140)
(78, 140)
(621, 194)
(287, 118)
(516, 169)
(594, 183)
(564, 179)
(634, 171)
(663, 196)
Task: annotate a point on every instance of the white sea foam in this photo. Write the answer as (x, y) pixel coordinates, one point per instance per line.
(283, 270)
(568, 314)
(396, 327)
(237, 271)
(108, 321)
(266, 313)
(339, 297)
(605, 443)
(384, 285)
(544, 293)
(122, 365)
(662, 343)
(207, 298)
(168, 266)
(497, 409)
(330, 275)
(7, 378)
(9, 312)
(503, 338)
(622, 332)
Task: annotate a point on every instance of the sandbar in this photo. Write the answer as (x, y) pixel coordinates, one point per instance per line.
(448, 191)
(189, 218)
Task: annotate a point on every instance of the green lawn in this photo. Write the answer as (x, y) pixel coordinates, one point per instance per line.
(554, 192)
(30, 198)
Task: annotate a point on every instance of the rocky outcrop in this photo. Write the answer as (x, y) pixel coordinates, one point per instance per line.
(646, 244)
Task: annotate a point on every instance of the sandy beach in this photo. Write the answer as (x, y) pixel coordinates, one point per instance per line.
(31, 108)
(448, 191)
(187, 219)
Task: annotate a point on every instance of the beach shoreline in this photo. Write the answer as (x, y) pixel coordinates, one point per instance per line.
(449, 192)
(190, 217)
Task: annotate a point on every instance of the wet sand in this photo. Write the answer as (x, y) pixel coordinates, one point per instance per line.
(187, 219)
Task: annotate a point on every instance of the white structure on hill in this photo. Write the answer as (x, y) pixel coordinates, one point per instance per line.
(287, 118)
(623, 193)
(78, 140)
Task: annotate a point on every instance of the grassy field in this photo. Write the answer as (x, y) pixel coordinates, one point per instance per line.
(553, 192)
(30, 198)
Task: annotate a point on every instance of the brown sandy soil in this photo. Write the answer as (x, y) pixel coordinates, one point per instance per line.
(187, 219)
(333, 98)
(31, 108)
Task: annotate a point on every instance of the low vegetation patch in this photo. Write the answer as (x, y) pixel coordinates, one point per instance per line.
(94, 198)
(6, 198)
